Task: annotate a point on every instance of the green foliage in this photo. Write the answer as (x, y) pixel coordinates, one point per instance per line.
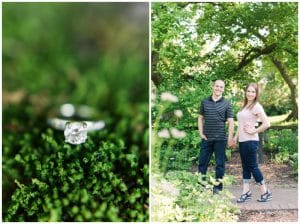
(176, 193)
(90, 63)
(183, 154)
(181, 197)
(175, 58)
(172, 152)
(243, 32)
(283, 146)
(276, 100)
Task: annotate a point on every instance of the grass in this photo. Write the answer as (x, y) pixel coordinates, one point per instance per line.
(281, 120)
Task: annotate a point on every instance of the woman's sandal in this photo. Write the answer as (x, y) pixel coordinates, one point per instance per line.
(244, 197)
(265, 197)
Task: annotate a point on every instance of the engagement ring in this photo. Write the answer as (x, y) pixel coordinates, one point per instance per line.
(76, 122)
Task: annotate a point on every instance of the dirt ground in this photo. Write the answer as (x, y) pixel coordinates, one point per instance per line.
(269, 216)
(274, 174)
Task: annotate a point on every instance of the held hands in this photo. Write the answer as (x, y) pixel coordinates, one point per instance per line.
(232, 143)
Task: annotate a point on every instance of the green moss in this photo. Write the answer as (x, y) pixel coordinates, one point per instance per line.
(95, 181)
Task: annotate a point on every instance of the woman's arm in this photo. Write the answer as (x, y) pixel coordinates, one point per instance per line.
(265, 122)
(265, 125)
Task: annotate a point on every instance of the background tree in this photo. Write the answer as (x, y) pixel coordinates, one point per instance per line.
(193, 43)
(250, 37)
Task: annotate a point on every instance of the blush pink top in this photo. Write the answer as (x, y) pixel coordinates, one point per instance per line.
(249, 117)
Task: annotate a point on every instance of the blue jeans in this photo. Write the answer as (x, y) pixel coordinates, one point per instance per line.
(248, 153)
(207, 149)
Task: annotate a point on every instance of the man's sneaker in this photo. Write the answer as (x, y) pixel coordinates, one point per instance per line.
(216, 190)
(244, 197)
(265, 197)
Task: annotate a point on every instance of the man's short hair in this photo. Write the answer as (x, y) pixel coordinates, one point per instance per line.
(214, 80)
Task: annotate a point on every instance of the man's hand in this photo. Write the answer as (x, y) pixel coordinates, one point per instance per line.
(202, 136)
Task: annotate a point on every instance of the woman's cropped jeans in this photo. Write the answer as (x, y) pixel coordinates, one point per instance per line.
(248, 152)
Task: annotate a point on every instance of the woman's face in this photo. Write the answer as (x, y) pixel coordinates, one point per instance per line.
(251, 93)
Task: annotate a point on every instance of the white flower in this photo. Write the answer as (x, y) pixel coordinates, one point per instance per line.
(177, 133)
(166, 96)
(153, 96)
(178, 113)
(164, 133)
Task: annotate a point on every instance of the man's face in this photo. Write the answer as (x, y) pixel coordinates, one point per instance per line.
(218, 88)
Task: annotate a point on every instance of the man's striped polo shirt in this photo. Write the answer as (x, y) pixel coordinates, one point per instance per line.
(215, 115)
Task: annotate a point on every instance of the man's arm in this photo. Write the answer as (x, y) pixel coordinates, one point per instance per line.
(200, 127)
(229, 116)
(230, 132)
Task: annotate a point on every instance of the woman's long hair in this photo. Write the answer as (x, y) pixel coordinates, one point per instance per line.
(255, 86)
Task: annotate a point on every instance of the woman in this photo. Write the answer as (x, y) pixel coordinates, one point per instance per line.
(247, 136)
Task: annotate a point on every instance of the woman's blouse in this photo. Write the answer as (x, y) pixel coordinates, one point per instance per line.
(248, 117)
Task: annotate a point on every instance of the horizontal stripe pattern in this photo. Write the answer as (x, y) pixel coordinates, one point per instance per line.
(215, 115)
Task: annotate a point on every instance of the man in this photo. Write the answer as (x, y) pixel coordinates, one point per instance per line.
(214, 112)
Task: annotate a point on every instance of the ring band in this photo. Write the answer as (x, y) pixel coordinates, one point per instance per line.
(76, 122)
(60, 124)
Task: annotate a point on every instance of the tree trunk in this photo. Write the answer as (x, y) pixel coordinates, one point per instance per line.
(291, 85)
(155, 76)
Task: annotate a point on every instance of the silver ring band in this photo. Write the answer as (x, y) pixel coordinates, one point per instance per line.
(60, 124)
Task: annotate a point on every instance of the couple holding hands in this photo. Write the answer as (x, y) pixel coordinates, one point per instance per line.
(213, 114)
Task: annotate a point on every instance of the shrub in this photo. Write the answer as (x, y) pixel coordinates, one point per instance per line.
(179, 196)
(283, 146)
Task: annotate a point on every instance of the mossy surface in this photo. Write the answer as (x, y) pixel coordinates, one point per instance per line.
(98, 180)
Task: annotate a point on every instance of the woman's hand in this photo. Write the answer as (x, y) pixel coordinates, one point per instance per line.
(249, 129)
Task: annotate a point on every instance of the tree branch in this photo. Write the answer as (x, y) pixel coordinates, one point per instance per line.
(258, 52)
(283, 72)
(279, 65)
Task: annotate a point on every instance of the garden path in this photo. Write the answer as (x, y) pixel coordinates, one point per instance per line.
(280, 180)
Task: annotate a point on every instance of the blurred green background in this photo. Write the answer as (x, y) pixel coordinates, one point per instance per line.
(82, 53)
(96, 54)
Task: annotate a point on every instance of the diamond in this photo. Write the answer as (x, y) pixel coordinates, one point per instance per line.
(75, 132)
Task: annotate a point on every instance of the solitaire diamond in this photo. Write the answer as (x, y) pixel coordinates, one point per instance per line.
(75, 132)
